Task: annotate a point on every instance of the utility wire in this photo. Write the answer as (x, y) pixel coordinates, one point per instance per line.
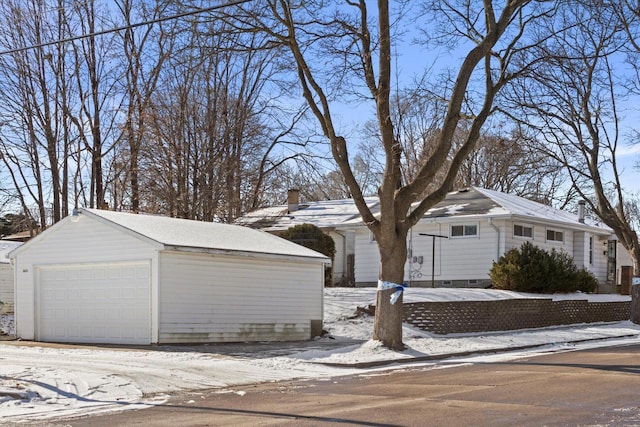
(126, 27)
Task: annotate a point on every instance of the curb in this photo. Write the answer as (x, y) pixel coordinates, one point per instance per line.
(376, 363)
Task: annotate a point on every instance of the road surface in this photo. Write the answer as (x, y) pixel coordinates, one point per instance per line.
(599, 387)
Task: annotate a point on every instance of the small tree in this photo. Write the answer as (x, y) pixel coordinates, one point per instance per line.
(310, 236)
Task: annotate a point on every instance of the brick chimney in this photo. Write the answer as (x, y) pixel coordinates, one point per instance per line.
(581, 204)
(293, 200)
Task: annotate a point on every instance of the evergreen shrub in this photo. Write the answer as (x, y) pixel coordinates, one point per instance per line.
(312, 237)
(530, 268)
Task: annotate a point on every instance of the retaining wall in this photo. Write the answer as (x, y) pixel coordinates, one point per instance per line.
(502, 315)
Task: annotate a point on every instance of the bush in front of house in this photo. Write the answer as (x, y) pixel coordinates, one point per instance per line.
(530, 268)
(587, 282)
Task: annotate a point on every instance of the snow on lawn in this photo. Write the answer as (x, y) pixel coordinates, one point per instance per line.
(44, 381)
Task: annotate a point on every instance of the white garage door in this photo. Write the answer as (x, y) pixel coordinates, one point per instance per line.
(97, 303)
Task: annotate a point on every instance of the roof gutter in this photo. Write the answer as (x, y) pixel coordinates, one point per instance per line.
(246, 254)
(526, 218)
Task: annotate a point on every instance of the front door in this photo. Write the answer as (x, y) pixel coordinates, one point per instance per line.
(611, 261)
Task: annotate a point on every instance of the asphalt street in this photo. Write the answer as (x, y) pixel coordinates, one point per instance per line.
(599, 387)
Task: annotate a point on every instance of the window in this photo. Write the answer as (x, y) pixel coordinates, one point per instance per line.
(555, 236)
(591, 250)
(467, 230)
(523, 231)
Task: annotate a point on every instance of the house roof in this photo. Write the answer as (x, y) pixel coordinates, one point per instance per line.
(7, 246)
(323, 214)
(175, 233)
(474, 202)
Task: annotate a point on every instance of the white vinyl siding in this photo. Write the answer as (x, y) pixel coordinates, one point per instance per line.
(540, 238)
(599, 265)
(367, 257)
(207, 298)
(69, 242)
(6, 288)
(455, 259)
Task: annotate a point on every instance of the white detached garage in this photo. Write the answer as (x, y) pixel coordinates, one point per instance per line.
(120, 278)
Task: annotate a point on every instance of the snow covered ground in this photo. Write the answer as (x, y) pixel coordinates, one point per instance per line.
(42, 381)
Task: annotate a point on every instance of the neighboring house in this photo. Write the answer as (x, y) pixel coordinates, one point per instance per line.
(328, 215)
(119, 278)
(6, 277)
(21, 236)
(473, 228)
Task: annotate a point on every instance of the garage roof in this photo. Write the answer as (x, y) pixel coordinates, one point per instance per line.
(176, 233)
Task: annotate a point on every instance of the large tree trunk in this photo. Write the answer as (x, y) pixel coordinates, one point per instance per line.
(388, 321)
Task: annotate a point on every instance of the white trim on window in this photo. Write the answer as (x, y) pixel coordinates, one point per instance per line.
(463, 231)
(554, 236)
(523, 231)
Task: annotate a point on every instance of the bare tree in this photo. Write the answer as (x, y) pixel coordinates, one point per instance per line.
(37, 140)
(216, 130)
(502, 159)
(359, 56)
(508, 163)
(95, 118)
(145, 50)
(572, 101)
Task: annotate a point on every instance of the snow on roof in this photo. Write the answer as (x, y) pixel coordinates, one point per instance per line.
(482, 202)
(186, 233)
(7, 246)
(524, 207)
(323, 214)
(474, 202)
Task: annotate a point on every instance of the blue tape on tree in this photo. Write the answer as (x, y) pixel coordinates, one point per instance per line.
(383, 286)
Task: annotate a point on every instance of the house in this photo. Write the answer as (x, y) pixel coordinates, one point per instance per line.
(119, 278)
(456, 242)
(329, 215)
(6, 277)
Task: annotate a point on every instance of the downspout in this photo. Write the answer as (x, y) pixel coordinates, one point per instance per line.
(498, 239)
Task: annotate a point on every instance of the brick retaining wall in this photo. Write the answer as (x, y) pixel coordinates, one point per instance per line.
(509, 314)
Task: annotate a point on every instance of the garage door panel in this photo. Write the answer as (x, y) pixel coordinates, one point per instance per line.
(95, 304)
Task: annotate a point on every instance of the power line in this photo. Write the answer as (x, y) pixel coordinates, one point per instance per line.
(126, 27)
